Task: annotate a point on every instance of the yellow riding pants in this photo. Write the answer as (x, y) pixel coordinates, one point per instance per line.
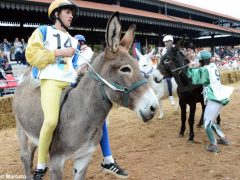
(51, 91)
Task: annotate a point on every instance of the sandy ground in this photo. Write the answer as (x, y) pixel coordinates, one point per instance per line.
(153, 150)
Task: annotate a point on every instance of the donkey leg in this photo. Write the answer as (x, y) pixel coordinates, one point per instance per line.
(161, 115)
(183, 107)
(191, 121)
(80, 166)
(32, 149)
(56, 167)
(200, 123)
(24, 153)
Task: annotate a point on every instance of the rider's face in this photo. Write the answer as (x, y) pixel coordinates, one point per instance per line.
(82, 43)
(167, 43)
(66, 16)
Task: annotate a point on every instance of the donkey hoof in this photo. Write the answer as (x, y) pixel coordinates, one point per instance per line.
(161, 117)
(191, 141)
(181, 135)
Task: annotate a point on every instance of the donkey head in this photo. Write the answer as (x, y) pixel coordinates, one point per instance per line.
(173, 64)
(173, 61)
(145, 63)
(122, 71)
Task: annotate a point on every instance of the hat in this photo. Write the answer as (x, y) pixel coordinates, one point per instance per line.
(204, 55)
(167, 38)
(80, 37)
(56, 4)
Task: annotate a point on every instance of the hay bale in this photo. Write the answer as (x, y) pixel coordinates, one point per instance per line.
(224, 78)
(7, 121)
(6, 117)
(237, 75)
(6, 104)
(228, 77)
(231, 77)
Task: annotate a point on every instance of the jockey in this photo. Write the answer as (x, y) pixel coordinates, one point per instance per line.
(81, 40)
(168, 41)
(52, 50)
(109, 164)
(85, 51)
(215, 95)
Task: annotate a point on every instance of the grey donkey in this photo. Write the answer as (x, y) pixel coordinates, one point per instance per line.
(115, 78)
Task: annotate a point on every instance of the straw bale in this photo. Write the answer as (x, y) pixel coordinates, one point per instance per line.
(228, 77)
(6, 117)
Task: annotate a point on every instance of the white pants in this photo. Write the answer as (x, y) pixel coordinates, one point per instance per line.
(211, 112)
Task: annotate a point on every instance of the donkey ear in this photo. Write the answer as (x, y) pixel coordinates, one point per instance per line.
(113, 32)
(128, 38)
(151, 53)
(139, 54)
(180, 43)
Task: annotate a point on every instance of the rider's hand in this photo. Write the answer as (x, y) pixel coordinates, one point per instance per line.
(192, 64)
(67, 52)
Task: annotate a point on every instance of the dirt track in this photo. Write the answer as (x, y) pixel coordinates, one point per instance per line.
(152, 151)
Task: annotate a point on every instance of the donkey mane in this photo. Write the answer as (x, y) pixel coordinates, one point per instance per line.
(79, 75)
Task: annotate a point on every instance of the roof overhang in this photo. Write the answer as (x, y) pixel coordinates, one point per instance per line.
(24, 5)
(98, 10)
(133, 15)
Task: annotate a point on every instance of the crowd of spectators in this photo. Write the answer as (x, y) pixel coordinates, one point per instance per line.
(230, 51)
(13, 51)
(226, 57)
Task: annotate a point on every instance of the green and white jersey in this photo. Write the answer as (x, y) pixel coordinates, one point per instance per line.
(209, 76)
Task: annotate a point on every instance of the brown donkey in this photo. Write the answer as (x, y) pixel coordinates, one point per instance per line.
(115, 78)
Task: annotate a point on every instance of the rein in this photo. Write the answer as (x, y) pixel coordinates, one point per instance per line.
(147, 74)
(114, 86)
(179, 69)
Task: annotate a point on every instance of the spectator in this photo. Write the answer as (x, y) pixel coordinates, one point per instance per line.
(190, 54)
(18, 51)
(7, 49)
(2, 59)
(24, 45)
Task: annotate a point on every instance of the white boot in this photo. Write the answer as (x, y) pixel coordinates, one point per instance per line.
(171, 99)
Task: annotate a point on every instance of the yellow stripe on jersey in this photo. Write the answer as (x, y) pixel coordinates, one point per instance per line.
(36, 54)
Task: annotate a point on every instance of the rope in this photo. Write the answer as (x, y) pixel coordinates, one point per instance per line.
(180, 68)
(102, 79)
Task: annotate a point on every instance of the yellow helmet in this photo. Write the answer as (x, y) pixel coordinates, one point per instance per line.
(57, 4)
